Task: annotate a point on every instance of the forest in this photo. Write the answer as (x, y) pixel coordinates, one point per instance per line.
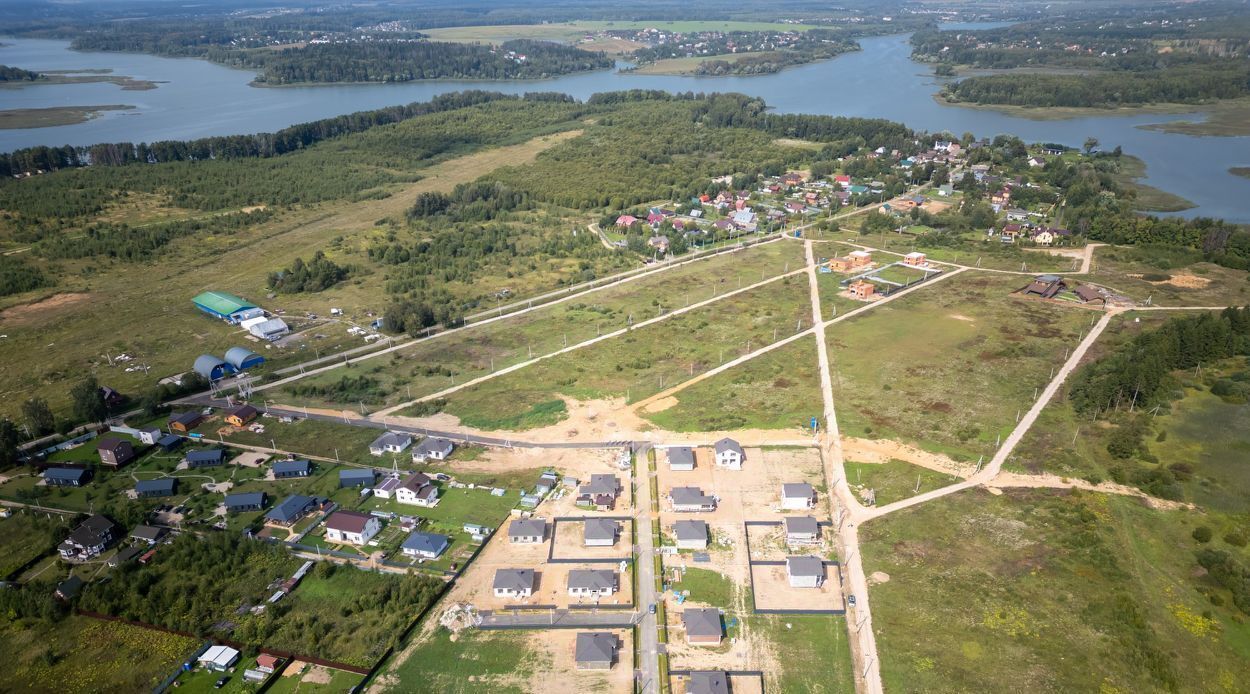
(17, 276)
(414, 60)
(1183, 84)
(16, 74)
(316, 275)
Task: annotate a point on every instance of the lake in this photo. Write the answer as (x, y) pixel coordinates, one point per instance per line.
(198, 98)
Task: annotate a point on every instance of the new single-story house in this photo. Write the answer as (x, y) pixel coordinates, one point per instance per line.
(729, 454)
(805, 572)
(708, 683)
(595, 650)
(600, 532)
(432, 448)
(691, 534)
(205, 458)
(352, 527)
(241, 415)
(146, 489)
(245, 501)
(291, 509)
(66, 476)
(588, 583)
(802, 530)
(513, 583)
(291, 468)
(797, 496)
(150, 534)
(185, 421)
(703, 626)
(680, 458)
(357, 477)
(169, 442)
(425, 545)
(527, 531)
(390, 442)
(69, 588)
(691, 500)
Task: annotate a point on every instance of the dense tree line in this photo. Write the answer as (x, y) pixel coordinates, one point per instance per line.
(17, 276)
(1139, 373)
(1184, 84)
(419, 60)
(1229, 573)
(316, 275)
(17, 74)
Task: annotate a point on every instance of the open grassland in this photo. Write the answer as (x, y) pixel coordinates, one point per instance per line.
(19, 118)
(811, 652)
(1038, 591)
(970, 249)
(439, 363)
(25, 536)
(706, 586)
(948, 367)
(639, 363)
(688, 66)
(895, 480)
(779, 390)
(1169, 277)
(314, 679)
(1227, 118)
(80, 654)
(502, 661)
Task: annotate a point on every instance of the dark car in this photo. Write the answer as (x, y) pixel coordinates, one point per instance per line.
(221, 683)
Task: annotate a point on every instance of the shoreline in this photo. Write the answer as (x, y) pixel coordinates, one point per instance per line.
(27, 118)
(1052, 113)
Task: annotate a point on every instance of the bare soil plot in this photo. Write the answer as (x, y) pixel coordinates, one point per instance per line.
(250, 459)
(753, 493)
(768, 543)
(773, 591)
(569, 544)
(563, 676)
(738, 684)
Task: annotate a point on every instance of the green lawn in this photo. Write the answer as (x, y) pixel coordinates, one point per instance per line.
(295, 683)
(498, 661)
(894, 480)
(948, 367)
(812, 651)
(26, 535)
(641, 362)
(1040, 591)
(313, 437)
(79, 654)
(706, 586)
(779, 390)
(202, 681)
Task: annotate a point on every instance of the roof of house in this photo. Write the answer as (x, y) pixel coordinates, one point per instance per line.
(391, 438)
(70, 587)
(595, 647)
(681, 455)
(164, 485)
(702, 621)
(708, 683)
(514, 580)
(416, 481)
(246, 499)
(600, 529)
(91, 531)
(802, 525)
(358, 474)
(64, 473)
(273, 325)
(286, 467)
(429, 543)
(690, 530)
(244, 411)
(189, 418)
(111, 444)
(266, 660)
(728, 444)
(685, 496)
(805, 566)
(527, 527)
(169, 441)
(388, 484)
(600, 484)
(210, 455)
(432, 444)
(797, 490)
(224, 303)
(1088, 293)
(290, 508)
(592, 579)
(348, 521)
(147, 532)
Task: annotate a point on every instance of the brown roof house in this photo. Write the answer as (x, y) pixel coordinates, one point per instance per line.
(115, 452)
(240, 416)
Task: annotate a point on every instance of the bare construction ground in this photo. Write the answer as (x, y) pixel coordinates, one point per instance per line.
(768, 543)
(752, 493)
(774, 592)
(569, 542)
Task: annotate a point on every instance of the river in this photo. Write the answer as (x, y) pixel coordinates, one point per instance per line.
(197, 98)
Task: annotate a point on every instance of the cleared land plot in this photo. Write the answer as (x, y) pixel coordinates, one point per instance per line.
(312, 437)
(779, 390)
(893, 481)
(79, 654)
(568, 542)
(991, 253)
(772, 590)
(639, 363)
(752, 493)
(811, 652)
(947, 368)
(443, 361)
(703, 587)
(1040, 591)
(1169, 277)
(768, 543)
(305, 678)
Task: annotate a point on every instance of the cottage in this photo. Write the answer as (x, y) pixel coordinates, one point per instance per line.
(267, 663)
(805, 572)
(357, 477)
(1089, 293)
(390, 442)
(691, 500)
(89, 539)
(703, 626)
(169, 442)
(352, 527)
(729, 454)
(513, 583)
(601, 491)
(797, 496)
(691, 534)
(1017, 215)
(862, 289)
(241, 415)
(150, 435)
(595, 650)
(284, 469)
(626, 220)
(185, 421)
(527, 531)
(680, 458)
(125, 556)
(69, 588)
(66, 476)
(592, 583)
(425, 545)
(432, 448)
(290, 511)
(115, 452)
(1045, 286)
(1043, 236)
(246, 501)
(417, 489)
(205, 458)
(219, 658)
(148, 489)
(659, 243)
(150, 534)
(708, 683)
(915, 259)
(802, 530)
(600, 532)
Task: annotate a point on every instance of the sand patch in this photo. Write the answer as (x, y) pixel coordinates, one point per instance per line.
(878, 577)
(1182, 281)
(27, 313)
(881, 451)
(660, 405)
(960, 316)
(318, 675)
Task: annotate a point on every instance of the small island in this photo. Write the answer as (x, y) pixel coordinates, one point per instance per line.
(21, 118)
(17, 78)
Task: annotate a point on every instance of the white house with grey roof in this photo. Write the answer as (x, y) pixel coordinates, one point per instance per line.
(595, 650)
(708, 683)
(680, 458)
(432, 448)
(802, 530)
(729, 454)
(691, 534)
(805, 571)
(514, 583)
(527, 531)
(390, 442)
(600, 532)
(691, 500)
(592, 583)
(797, 496)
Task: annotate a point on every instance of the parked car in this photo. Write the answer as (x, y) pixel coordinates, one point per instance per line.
(850, 599)
(221, 683)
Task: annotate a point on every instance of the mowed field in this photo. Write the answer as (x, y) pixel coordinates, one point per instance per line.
(433, 365)
(948, 367)
(1041, 591)
(639, 363)
(145, 310)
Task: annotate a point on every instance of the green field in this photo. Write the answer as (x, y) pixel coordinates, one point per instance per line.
(501, 661)
(1037, 591)
(1185, 279)
(812, 653)
(706, 586)
(948, 367)
(203, 681)
(26, 535)
(641, 362)
(80, 654)
(895, 480)
(779, 390)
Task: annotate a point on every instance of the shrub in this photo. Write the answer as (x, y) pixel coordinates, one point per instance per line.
(1235, 538)
(1202, 534)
